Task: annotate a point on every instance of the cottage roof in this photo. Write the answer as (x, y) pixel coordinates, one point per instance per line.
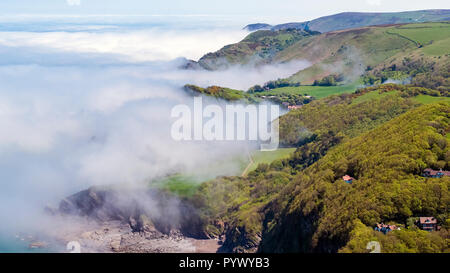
(391, 227)
(347, 178)
(434, 172)
(428, 220)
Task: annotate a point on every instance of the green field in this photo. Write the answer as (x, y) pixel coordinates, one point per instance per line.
(187, 185)
(268, 157)
(426, 99)
(372, 95)
(433, 37)
(181, 185)
(316, 91)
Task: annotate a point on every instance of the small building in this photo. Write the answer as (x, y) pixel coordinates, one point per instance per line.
(293, 107)
(385, 228)
(348, 179)
(435, 174)
(427, 223)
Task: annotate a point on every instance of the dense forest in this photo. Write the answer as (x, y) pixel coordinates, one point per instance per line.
(419, 72)
(273, 85)
(387, 164)
(302, 203)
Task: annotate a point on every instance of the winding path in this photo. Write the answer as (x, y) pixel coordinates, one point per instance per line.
(244, 173)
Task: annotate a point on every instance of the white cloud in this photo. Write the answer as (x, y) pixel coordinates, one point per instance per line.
(374, 2)
(73, 2)
(134, 46)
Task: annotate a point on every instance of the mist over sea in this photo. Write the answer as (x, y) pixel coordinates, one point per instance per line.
(86, 100)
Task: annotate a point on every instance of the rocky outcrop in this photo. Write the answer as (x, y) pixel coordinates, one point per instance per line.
(150, 212)
(190, 65)
(117, 237)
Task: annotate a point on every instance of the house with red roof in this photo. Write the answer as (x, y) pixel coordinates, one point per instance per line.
(348, 179)
(427, 223)
(435, 174)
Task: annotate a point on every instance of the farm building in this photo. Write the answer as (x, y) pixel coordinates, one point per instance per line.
(435, 174)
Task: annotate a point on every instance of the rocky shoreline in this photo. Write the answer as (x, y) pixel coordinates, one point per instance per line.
(104, 220)
(118, 237)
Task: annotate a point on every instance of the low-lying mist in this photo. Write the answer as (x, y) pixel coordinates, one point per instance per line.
(83, 109)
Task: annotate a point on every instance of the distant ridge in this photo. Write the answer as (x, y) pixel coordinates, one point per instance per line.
(258, 26)
(347, 20)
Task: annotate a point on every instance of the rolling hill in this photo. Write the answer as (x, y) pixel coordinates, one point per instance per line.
(347, 20)
(258, 47)
(418, 52)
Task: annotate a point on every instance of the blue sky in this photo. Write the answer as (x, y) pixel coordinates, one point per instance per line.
(298, 8)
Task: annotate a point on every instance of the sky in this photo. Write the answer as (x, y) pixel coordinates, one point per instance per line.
(300, 9)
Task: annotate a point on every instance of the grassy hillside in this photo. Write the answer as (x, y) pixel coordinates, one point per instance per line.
(355, 52)
(227, 94)
(267, 157)
(258, 47)
(426, 35)
(426, 99)
(420, 52)
(317, 92)
(243, 208)
(349, 20)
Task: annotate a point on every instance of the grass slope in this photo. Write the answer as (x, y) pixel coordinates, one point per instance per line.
(257, 47)
(349, 20)
(260, 157)
(425, 35)
(426, 99)
(349, 52)
(317, 92)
